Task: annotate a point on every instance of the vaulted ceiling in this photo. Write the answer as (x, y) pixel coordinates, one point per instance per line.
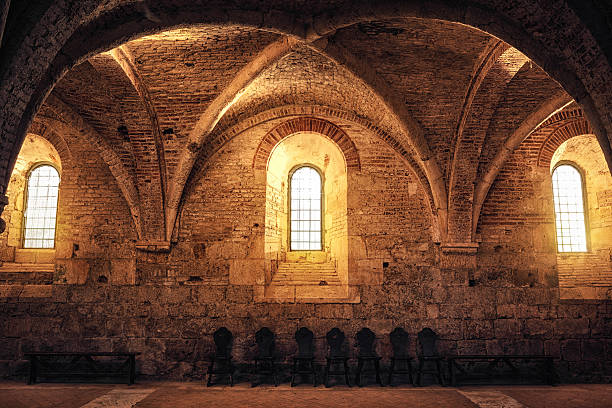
(452, 100)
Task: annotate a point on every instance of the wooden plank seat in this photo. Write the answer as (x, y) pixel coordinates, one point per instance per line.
(536, 368)
(82, 365)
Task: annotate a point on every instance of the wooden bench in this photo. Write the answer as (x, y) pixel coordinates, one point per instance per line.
(544, 370)
(84, 365)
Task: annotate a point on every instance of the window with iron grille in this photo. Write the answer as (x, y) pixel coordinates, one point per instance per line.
(306, 209)
(569, 209)
(41, 207)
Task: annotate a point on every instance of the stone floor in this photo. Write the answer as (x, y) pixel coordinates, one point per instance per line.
(183, 395)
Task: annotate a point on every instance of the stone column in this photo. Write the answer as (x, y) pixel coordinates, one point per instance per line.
(3, 203)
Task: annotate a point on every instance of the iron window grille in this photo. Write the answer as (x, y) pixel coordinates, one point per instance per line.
(40, 213)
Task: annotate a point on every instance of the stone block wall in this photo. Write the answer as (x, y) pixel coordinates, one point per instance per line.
(504, 299)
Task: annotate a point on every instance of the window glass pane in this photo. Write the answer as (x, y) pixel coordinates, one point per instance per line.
(569, 209)
(41, 208)
(306, 209)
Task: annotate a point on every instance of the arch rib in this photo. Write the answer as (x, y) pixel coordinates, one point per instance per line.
(124, 178)
(306, 124)
(125, 59)
(409, 125)
(469, 142)
(545, 111)
(213, 113)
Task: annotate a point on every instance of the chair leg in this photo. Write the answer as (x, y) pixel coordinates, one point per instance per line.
(274, 377)
(293, 370)
(410, 372)
(377, 368)
(439, 372)
(210, 374)
(254, 375)
(314, 373)
(420, 373)
(33, 368)
(358, 376)
(390, 382)
(327, 374)
(346, 373)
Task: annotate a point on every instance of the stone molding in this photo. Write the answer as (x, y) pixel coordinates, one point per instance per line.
(306, 124)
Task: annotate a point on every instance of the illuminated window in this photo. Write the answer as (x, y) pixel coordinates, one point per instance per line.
(41, 207)
(569, 209)
(305, 209)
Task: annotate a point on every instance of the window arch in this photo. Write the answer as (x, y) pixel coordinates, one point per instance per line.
(40, 213)
(570, 220)
(306, 209)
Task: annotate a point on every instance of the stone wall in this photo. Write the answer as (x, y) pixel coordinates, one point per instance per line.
(504, 299)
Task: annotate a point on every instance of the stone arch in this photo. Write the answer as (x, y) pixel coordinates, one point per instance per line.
(283, 260)
(230, 129)
(41, 147)
(546, 110)
(575, 127)
(306, 124)
(53, 136)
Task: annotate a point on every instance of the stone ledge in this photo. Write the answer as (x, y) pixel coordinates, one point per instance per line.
(153, 246)
(459, 247)
(306, 294)
(586, 293)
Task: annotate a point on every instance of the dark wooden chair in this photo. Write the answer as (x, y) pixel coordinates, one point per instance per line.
(221, 362)
(337, 360)
(264, 359)
(401, 362)
(365, 342)
(430, 362)
(303, 362)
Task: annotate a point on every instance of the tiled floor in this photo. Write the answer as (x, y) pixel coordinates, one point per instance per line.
(183, 395)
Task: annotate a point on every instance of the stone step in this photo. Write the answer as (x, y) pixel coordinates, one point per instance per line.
(302, 273)
(306, 265)
(307, 272)
(306, 293)
(306, 282)
(307, 275)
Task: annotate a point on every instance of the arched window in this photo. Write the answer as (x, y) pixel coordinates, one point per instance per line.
(569, 209)
(41, 207)
(306, 209)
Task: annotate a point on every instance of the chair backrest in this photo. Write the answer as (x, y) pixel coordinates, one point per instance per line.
(335, 341)
(305, 341)
(223, 342)
(365, 341)
(265, 342)
(400, 340)
(427, 341)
